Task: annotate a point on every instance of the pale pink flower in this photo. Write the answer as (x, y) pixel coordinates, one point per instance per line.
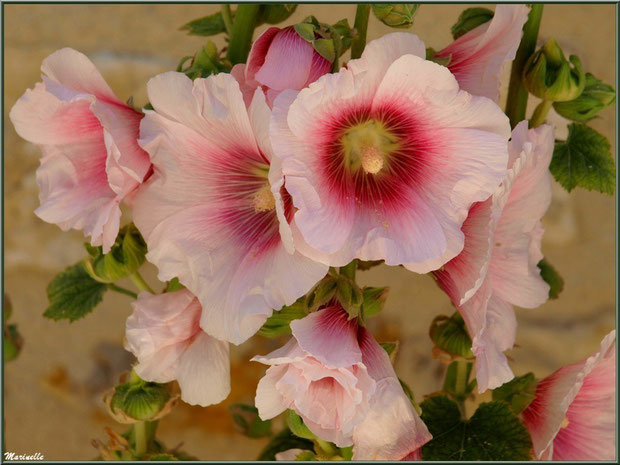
(477, 58)
(573, 416)
(498, 265)
(383, 159)
(341, 382)
(214, 213)
(164, 333)
(91, 159)
(280, 59)
(288, 455)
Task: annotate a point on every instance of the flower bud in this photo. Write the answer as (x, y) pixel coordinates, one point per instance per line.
(374, 300)
(595, 96)
(350, 296)
(450, 337)
(274, 14)
(470, 19)
(549, 76)
(395, 14)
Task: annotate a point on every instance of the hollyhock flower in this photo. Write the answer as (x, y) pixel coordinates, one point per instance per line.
(498, 265)
(573, 416)
(164, 333)
(341, 382)
(91, 158)
(383, 159)
(477, 58)
(280, 59)
(214, 213)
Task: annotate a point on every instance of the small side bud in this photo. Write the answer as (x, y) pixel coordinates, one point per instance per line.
(450, 337)
(595, 97)
(274, 14)
(470, 19)
(549, 76)
(398, 15)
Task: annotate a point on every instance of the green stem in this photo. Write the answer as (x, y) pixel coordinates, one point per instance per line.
(361, 26)
(140, 282)
(460, 386)
(517, 94)
(139, 436)
(122, 290)
(242, 32)
(326, 447)
(540, 113)
(227, 17)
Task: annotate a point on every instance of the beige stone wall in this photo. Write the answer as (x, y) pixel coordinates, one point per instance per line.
(53, 390)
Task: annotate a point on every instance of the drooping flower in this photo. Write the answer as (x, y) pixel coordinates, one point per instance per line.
(498, 265)
(91, 159)
(335, 376)
(214, 213)
(477, 58)
(383, 159)
(164, 333)
(280, 59)
(573, 416)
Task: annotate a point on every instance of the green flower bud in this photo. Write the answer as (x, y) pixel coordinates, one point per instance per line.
(470, 19)
(349, 295)
(450, 337)
(322, 293)
(549, 76)
(399, 15)
(13, 343)
(274, 14)
(595, 96)
(374, 300)
(297, 427)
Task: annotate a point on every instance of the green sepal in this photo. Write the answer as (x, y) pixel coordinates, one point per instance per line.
(367, 265)
(350, 296)
(297, 426)
(205, 62)
(584, 160)
(397, 15)
(374, 300)
(274, 14)
(450, 335)
(174, 285)
(550, 275)
(470, 19)
(391, 348)
(431, 55)
(250, 424)
(279, 322)
(141, 401)
(518, 392)
(207, 26)
(595, 97)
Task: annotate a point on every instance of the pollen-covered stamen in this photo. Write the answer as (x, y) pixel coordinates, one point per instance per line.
(368, 146)
(372, 159)
(263, 200)
(565, 423)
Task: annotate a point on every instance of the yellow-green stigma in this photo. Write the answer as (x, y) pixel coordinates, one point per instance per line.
(368, 145)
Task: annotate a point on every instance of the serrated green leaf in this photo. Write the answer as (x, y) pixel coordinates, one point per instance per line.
(284, 440)
(584, 160)
(207, 26)
(493, 433)
(279, 323)
(550, 275)
(470, 19)
(72, 294)
(518, 392)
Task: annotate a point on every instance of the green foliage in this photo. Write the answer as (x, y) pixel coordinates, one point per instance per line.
(449, 334)
(142, 400)
(595, 96)
(349, 295)
(584, 160)
(321, 293)
(284, 440)
(329, 41)
(247, 419)
(493, 433)
(297, 426)
(397, 15)
(550, 275)
(518, 392)
(279, 323)
(206, 62)
(174, 285)
(470, 19)
(206, 26)
(73, 294)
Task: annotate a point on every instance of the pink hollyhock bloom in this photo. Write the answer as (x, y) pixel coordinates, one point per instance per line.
(573, 416)
(164, 333)
(280, 59)
(91, 158)
(383, 159)
(341, 382)
(498, 266)
(215, 213)
(477, 58)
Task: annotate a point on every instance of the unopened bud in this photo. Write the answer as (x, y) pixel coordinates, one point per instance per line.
(595, 96)
(450, 337)
(399, 15)
(470, 19)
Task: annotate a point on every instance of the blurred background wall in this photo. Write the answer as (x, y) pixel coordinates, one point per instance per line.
(53, 390)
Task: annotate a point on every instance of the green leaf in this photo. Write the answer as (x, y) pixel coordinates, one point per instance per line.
(279, 322)
(73, 294)
(550, 275)
(470, 19)
(297, 426)
(584, 160)
(493, 433)
(284, 440)
(250, 424)
(450, 335)
(174, 285)
(518, 392)
(207, 26)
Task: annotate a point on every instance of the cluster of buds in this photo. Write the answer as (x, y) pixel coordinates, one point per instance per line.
(398, 15)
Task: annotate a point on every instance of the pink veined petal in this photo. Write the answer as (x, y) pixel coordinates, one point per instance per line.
(595, 418)
(288, 353)
(203, 371)
(478, 57)
(374, 357)
(329, 336)
(258, 52)
(247, 87)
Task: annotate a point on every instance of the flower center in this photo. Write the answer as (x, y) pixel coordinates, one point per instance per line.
(263, 200)
(368, 146)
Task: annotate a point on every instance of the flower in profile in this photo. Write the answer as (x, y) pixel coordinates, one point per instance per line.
(164, 333)
(383, 159)
(215, 213)
(477, 58)
(573, 416)
(280, 59)
(498, 265)
(341, 382)
(91, 159)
